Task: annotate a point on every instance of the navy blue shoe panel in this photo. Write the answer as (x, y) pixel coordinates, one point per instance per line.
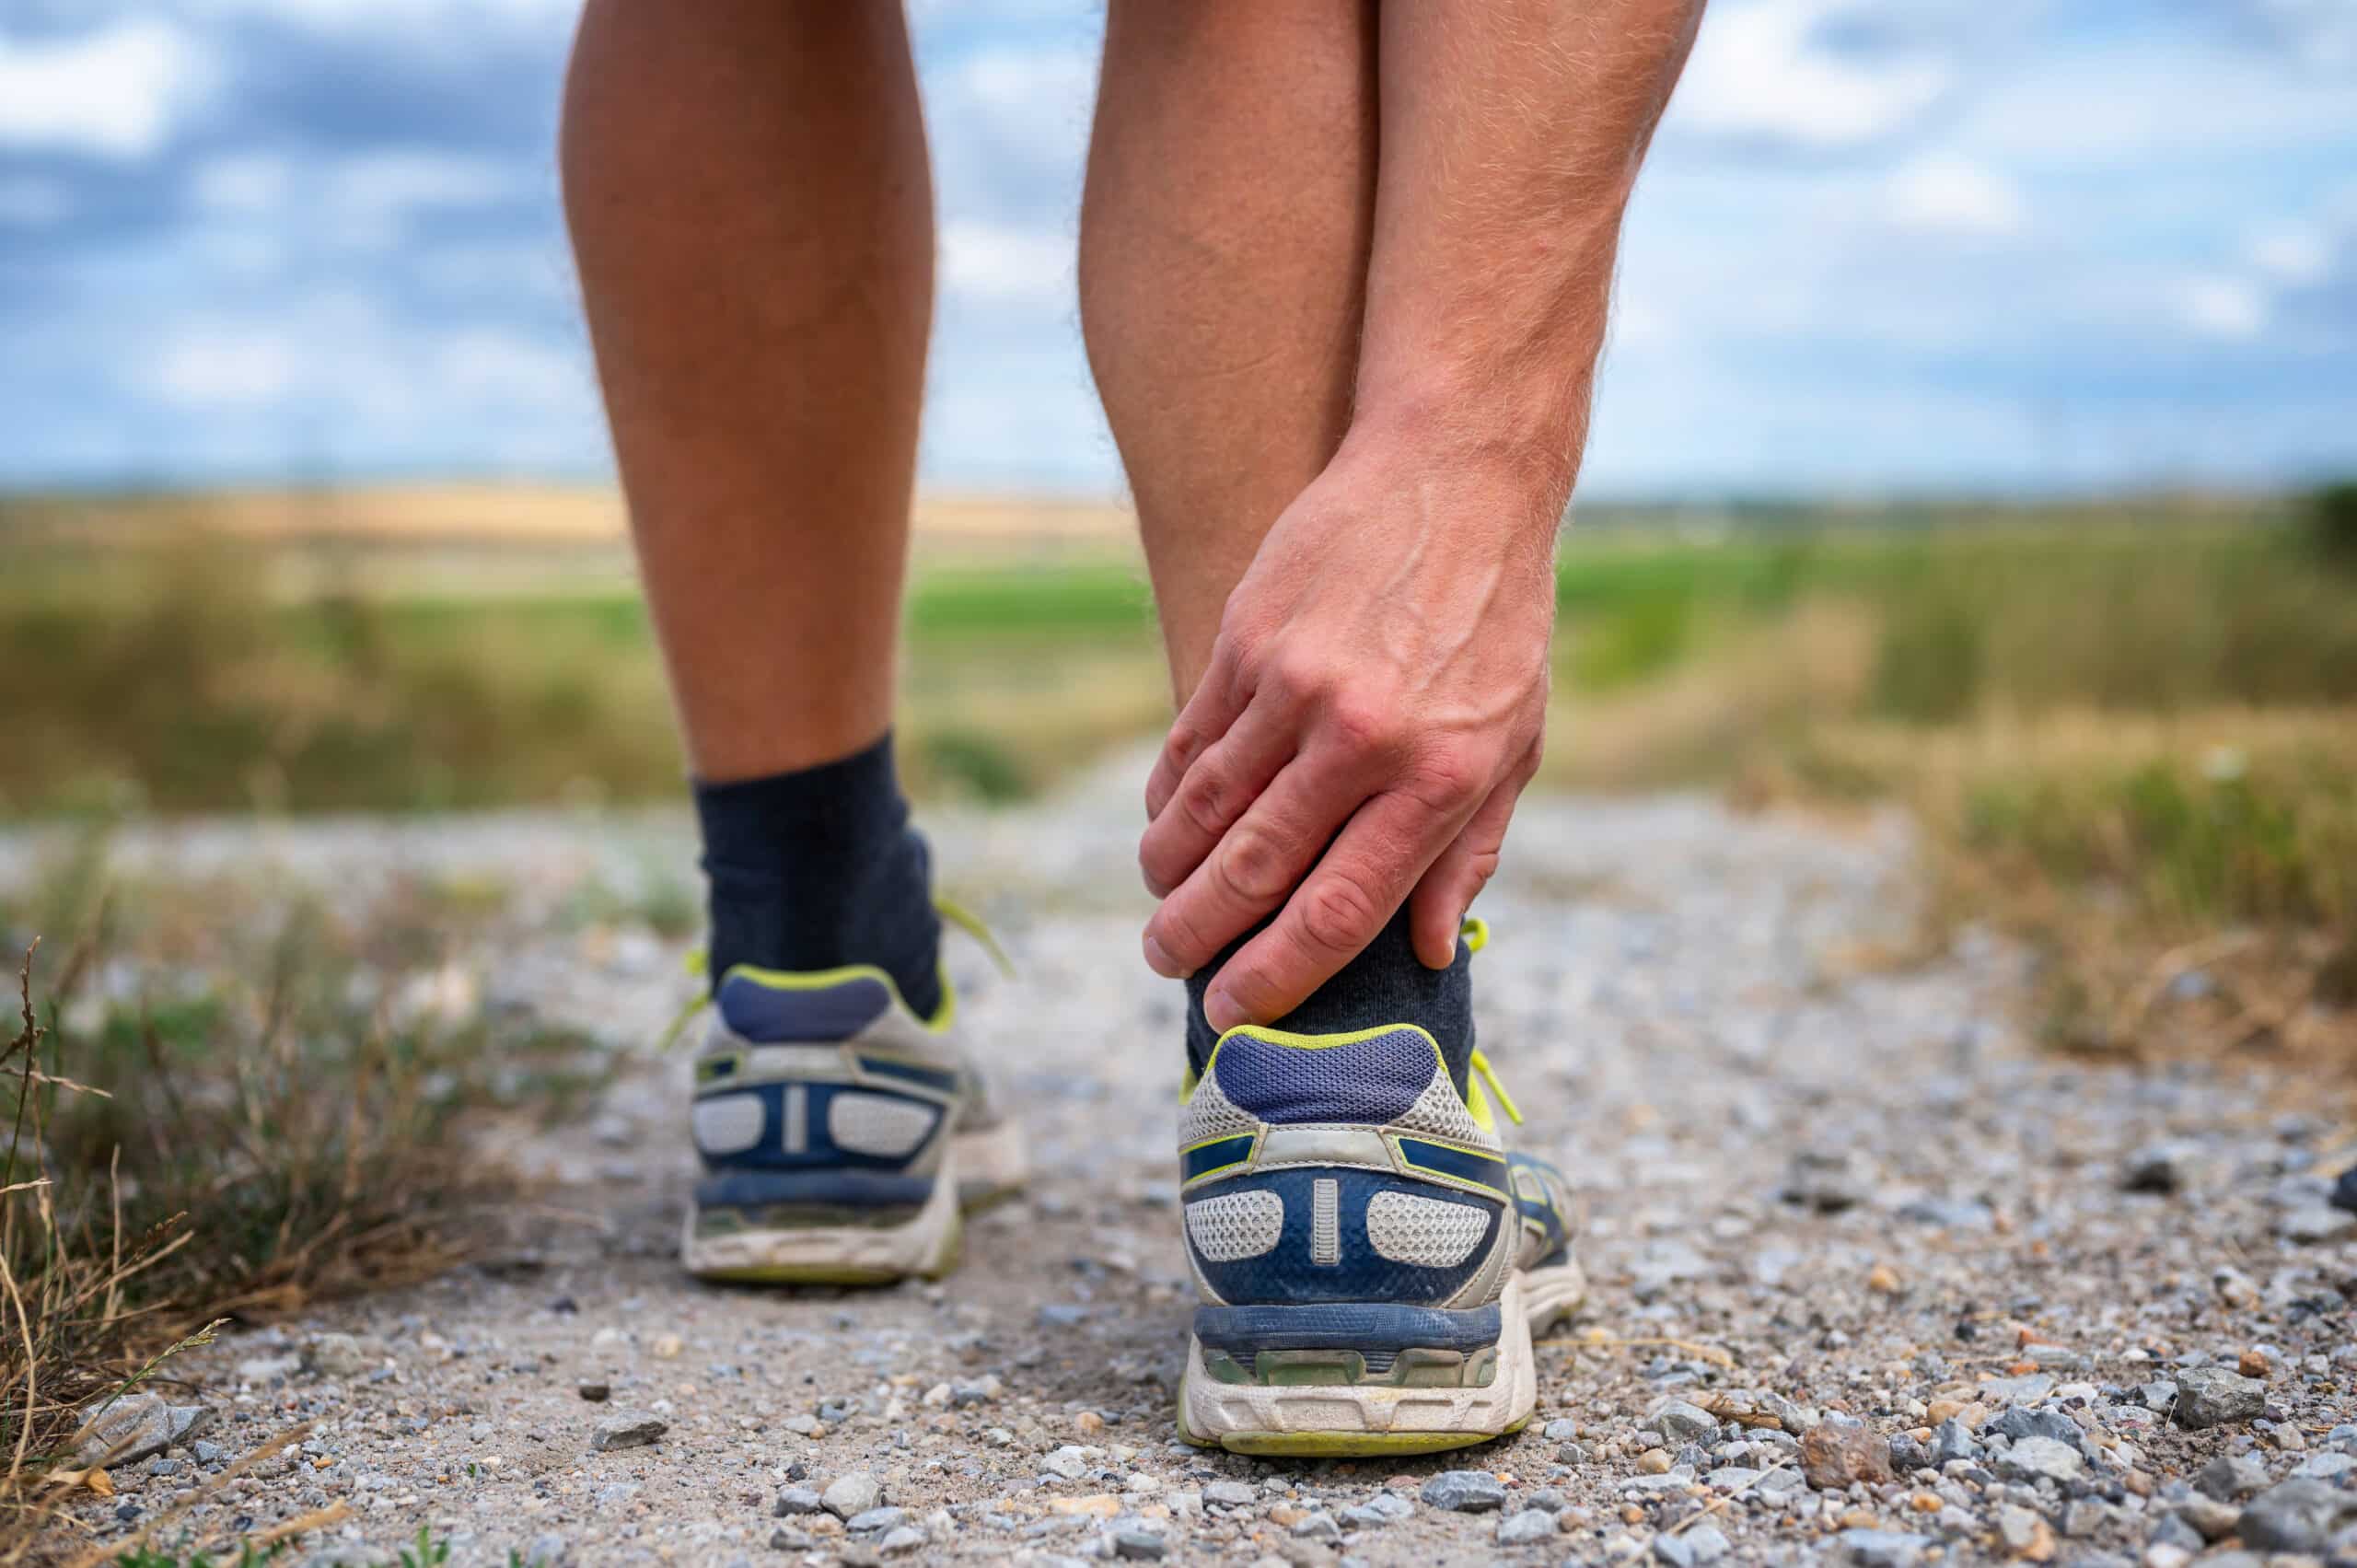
(767, 1016)
(1372, 1080)
(1287, 1275)
(820, 1151)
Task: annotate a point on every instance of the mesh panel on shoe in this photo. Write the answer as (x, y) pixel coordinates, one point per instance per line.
(1236, 1224)
(1429, 1232)
(878, 1124)
(1208, 1113)
(1441, 1114)
(1371, 1080)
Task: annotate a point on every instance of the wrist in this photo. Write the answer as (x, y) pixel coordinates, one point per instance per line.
(1516, 437)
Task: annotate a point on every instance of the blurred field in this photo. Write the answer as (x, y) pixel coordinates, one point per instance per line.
(2149, 706)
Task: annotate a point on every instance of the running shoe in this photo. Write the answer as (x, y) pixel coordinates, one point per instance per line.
(1372, 1261)
(844, 1137)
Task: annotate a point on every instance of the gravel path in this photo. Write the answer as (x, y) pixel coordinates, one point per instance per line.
(1873, 1284)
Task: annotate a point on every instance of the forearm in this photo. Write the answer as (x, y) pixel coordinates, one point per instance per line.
(1512, 133)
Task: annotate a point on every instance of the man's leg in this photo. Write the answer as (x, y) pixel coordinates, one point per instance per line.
(1350, 1211)
(1222, 269)
(752, 214)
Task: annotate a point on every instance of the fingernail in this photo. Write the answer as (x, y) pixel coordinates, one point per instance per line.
(1221, 1012)
(1162, 963)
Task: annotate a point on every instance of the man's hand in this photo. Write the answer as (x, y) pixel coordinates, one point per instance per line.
(1372, 711)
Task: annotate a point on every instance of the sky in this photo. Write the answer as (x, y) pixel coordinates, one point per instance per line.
(1989, 245)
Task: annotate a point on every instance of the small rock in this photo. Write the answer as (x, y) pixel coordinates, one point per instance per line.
(2019, 1421)
(1463, 1492)
(796, 1499)
(1067, 1461)
(2296, 1516)
(900, 1538)
(1138, 1546)
(1527, 1528)
(1708, 1543)
(2025, 1533)
(1882, 1549)
(2313, 1222)
(1562, 1432)
(1316, 1525)
(1907, 1456)
(2230, 1476)
(1675, 1550)
(1952, 1440)
(596, 1393)
(2208, 1518)
(1795, 1419)
(627, 1429)
(134, 1427)
(1840, 1451)
(851, 1496)
(2040, 1458)
(1828, 1180)
(2157, 1167)
(1229, 1495)
(337, 1356)
(1680, 1421)
(2212, 1396)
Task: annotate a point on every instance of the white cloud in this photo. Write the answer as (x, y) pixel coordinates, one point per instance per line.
(1947, 194)
(1760, 71)
(348, 16)
(2219, 307)
(116, 93)
(368, 199)
(30, 202)
(1006, 266)
(242, 184)
(2293, 255)
(210, 366)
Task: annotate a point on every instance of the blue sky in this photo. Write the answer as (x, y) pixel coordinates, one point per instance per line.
(1999, 244)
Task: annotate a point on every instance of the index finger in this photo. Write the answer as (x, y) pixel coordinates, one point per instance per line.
(1356, 888)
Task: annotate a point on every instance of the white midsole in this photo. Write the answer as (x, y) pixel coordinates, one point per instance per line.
(925, 1245)
(1550, 1294)
(1215, 1410)
(992, 1162)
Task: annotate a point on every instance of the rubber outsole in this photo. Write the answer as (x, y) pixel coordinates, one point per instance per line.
(977, 1170)
(1325, 1421)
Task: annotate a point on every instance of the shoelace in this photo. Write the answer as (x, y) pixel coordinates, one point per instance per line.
(1476, 936)
(698, 963)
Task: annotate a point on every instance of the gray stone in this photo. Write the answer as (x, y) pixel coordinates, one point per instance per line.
(544, 1551)
(793, 1499)
(1527, 1528)
(1707, 1543)
(2213, 1396)
(1229, 1495)
(2170, 1531)
(627, 1429)
(1674, 1549)
(1067, 1461)
(879, 1518)
(2040, 1458)
(134, 1427)
(1680, 1422)
(2230, 1476)
(1561, 1431)
(2020, 1529)
(1383, 1508)
(851, 1496)
(1464, 1492)
(2157, 1395)
(1907, 1456)
(900, 1539)
(2315, 1466)
(2296, 1516)
(2084, 1517)
(2017, 1422)
(2208, 1518)
(1953, 1440)
(1882, 1549)
(338, 1355)
(1826, 1179)
(1795, 1419)
(1317, 1525)
(2157, 1167)
(1732, 1478)
(1138, 1546)
(2313, 1222)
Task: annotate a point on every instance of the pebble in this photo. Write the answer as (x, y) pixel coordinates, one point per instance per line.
(2040, 1458)
(1681, 1421)
(1841, 1450)
(1138, 1546)
(851, 1496)
(793, 1499)
(1464, 1492)
(2213, 1396)
(2296, 1516)
(1068, 1461)
(1316, 1525)
(1882, 1549)
(1527, 1528)
(1229, 1495)
(627, 1429)
(2230, 1476)
(596, 1393)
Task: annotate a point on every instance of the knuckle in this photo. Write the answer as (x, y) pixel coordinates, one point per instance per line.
(1252, 863)
(1293, 676)
(1448, 775)
(1364, 724)
(1205, 799)
(1338, 913)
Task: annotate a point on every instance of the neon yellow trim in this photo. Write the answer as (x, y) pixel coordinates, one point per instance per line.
(1187, 1086)
(1476, 932)
(970, 923)
(1478, 1105)
(1480, 1064)
(819, 980)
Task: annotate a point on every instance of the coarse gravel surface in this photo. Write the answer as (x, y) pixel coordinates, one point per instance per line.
(1874, 1281)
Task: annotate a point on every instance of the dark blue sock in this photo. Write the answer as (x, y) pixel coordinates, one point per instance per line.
(1385, 984)
(819, 868)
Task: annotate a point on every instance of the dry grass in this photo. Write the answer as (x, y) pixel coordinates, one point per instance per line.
(274, 1112)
